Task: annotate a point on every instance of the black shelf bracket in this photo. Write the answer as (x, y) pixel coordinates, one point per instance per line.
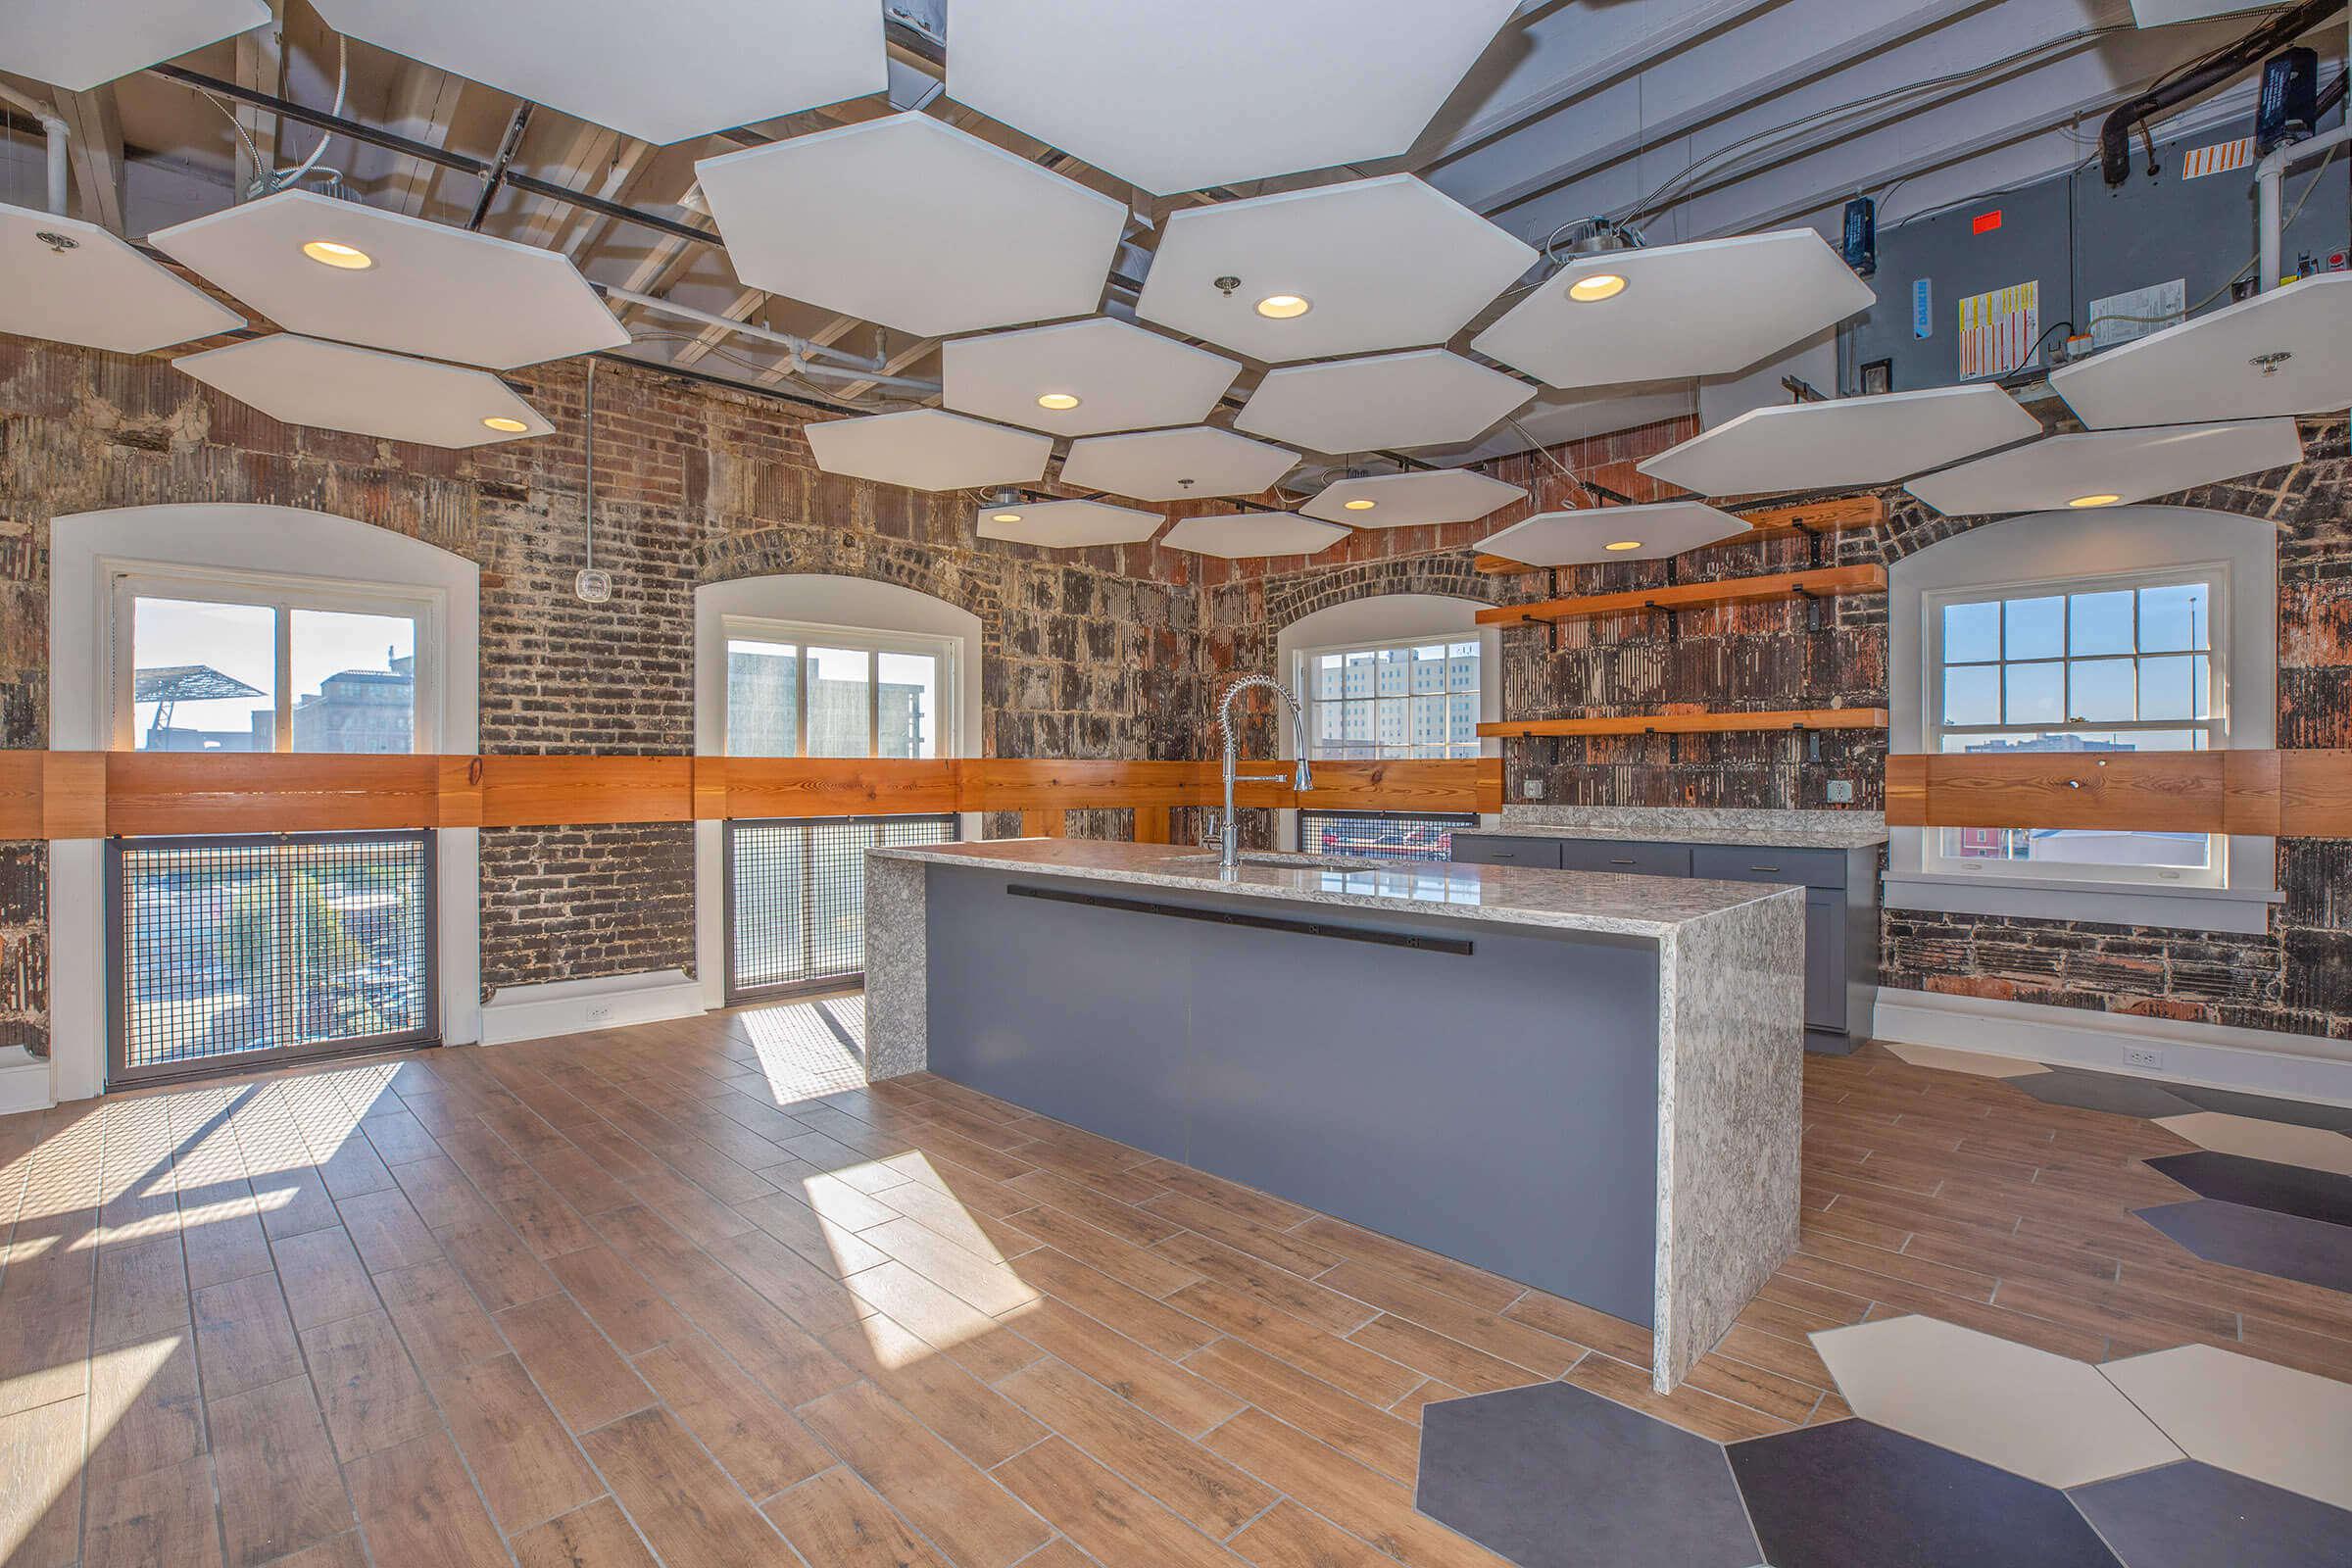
(1812, 606)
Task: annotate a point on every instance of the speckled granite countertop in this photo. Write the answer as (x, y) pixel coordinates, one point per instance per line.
(1502, 894)
(1672, 824)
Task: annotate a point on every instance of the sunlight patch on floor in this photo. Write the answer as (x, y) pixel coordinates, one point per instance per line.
(808, 1049)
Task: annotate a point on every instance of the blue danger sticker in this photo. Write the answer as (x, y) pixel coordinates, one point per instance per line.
(1923, 310)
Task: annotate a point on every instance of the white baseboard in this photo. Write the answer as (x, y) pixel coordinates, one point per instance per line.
(25, 1081)
(2256, 1061)
(573, 1007)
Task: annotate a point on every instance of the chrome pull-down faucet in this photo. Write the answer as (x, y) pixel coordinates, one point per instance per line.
(1228, 841)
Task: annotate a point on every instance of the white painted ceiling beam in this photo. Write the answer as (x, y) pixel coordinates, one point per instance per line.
(423, 106)
(94, 144)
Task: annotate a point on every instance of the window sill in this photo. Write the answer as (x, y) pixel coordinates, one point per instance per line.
(2239, 910)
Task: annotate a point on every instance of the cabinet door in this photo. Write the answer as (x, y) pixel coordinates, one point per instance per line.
(1726, 862)
(1824, 959)
(1630, 858)
(1482, 848)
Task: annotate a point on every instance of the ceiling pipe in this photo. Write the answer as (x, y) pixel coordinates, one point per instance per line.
(2115, 135)
(854, 365)
(53, 131)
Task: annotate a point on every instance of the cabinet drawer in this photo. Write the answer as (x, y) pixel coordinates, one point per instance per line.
(1732, 863)
(1631, 857)
(1477, 849)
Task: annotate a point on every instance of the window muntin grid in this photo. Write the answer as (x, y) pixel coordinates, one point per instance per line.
(796, 897)
(797, 689)
(1413, 698)
(1383, 835)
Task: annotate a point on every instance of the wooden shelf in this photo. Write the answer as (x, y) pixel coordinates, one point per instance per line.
(1839, 514)
(1825, 584)
(1695, 723)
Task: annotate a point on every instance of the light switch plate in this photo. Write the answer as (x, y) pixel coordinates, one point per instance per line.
(1530, 789)
(1841, 792)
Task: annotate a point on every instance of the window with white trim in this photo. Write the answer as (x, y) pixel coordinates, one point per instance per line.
(1417, 699)
(2123, 663)
(800, 690)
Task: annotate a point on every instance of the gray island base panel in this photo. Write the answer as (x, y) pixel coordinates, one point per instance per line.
(1585, 1084)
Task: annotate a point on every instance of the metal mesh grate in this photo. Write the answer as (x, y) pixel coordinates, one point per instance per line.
(281, 943)
(796, 896)
(1387, 834)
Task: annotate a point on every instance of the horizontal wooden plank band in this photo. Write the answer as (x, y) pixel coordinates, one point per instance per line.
(2267, 794)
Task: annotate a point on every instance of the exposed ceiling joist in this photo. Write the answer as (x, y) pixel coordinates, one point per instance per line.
(261, 66)
(423, 106)
(94, 139)
(738, 308)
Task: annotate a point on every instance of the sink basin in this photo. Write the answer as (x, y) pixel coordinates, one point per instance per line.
(1281, 862)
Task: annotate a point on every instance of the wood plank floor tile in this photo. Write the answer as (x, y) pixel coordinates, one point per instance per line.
(519, 1452)
(1430, 1392)
(1686, 1407)
(1282, 1248)
(976, 1420)
(503, 1271)
(41, 1483)
(146, 1412)
(1196, 1485)
(985, 1347)
(1409, 1263)
(416, 1506)
(323, 1277)
(1320, 1305)
(619, 1300)
(991, 1288)
(1342, 1363)
(970, 1517)
(1434, 1354)
(280, 1488)
(141, 1289)
(1377, 1509)
(163, 1517)
(1136, 1226)
(1134, 1267)
(1105, 1515)
(1290, 1536)
(371, 1393)
(244, 1337)
(597, 1535)
(387, 1232)
(1364, 1432)
(686, 1507)
(1521, 1341)
(837, 1520)
(582, 1376)
(1153, 1384)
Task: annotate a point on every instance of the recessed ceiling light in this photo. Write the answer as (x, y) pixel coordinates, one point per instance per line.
(499, 421)
(1282, 307)
(334, 253)
(1359, 504)
(1623, 544)
(1058, 401)
(1596, 286)
(2105, 498)
(1004, 517)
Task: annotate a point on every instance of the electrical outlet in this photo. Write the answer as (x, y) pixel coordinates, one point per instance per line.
(599, 1012)
(2142, 1057)
(1530, 789)
(1841, 792)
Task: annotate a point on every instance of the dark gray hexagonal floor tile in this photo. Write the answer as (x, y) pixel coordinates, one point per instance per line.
(2265, 1108)
(1552, 1477)
(2285, 1246)
(2104, 1091)
(2194, 1516)
(2320, 1194)
(1854, 1494)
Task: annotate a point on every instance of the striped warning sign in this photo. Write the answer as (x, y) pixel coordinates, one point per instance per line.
(2218, 158)
(1999, 329)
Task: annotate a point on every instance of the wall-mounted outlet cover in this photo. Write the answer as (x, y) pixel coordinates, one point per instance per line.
(2142, 1056)
(1530, 789)
(1841, 792)
(599, 1011)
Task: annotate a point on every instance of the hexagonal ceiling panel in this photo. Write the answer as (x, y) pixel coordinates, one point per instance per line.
(911, 222)
(1176, 465)
(1084, 377)
(1185, 94)
(1420, 398)
(2110, 467)
(1581, 537)
(928, 449)
(1707, 308)
(81, 44)
(722, 63)
(2286, 352)
(1249, 535)
(1848, 441)
(1068, 524)
(1377, 263)
(391, 281)
(95, 289)
(334, 386)
(1412, 500)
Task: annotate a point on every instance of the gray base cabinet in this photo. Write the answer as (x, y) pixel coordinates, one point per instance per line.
(1841, 906)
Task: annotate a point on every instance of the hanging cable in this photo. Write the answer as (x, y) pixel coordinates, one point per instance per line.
(273, 180)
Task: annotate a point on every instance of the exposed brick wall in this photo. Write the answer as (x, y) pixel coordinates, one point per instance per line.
(595, 901)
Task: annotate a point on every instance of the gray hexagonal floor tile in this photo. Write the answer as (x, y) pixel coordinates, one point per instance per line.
(1854, 1494)
(2104, 1091)
(2285, 1246)
(1552, 1477)
(2262, 1184)
(2194, 1516)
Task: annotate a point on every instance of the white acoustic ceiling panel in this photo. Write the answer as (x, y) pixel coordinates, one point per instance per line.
(334, 386)
(2286, 352)
(1176, 465)
(1068, 524)
(1421, 397)
(1412, 500)
(392, 281)
(2110, 467)
(927, 449)
(1707, 308)
(1849, 441)
(2163, 13)
(1249, 535)
(1613, 533)
(81, 44)
(708, 65)
(1177, 95)
(1376, 263)
(911, 222)
(1084, 377)
(83, 285)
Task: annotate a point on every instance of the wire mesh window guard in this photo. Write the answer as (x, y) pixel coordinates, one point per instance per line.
(796, 897)
(230, 948)
(1385, 835)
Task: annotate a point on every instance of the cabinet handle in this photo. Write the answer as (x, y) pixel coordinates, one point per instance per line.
(1621, 860)
(1763, 868)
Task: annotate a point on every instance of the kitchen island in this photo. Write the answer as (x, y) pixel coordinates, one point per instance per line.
(1587, 1083)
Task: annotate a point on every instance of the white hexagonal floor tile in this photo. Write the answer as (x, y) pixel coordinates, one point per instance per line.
(2286, 352)
(81, 44)
(424, 288)
(911, 222)
(1424, 397)
(1377, 263)
(1068, 524)
(929, 449)
(2291, 1429)
(334, 386)
(2110, 467)
(2024, 1411)
(1707, 308)
(96, 290)
(723, 62)
(1176, 465)
(2280, 1143)
(1589, 534)
(1185, 94)
(1251, 535)
(1084, 377)
(1421, 498)
(1844, 442)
